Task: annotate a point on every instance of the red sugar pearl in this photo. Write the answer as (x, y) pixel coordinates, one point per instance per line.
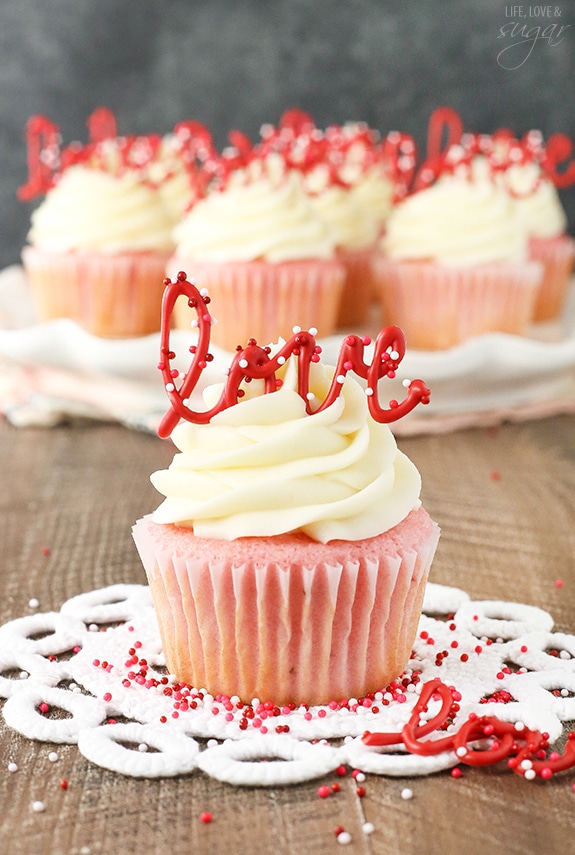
(206, 816)
(456, 773)
(64, 785)
(360, 792)
(323, 791)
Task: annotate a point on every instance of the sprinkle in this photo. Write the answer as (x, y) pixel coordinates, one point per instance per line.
(34, 603)
(360, 791)
(53, 757)
(12, 767)
(169, 387)
(323, 791)
(456, 773)
(558, 583)
(344, 837)
(206, 816)
(142, 747)
(406, 794)
(368, 827)
(359, 777)
(63, 784)
(45, 550)
(38, 807)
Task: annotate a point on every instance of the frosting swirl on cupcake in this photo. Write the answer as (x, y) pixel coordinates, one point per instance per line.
(264, 467)
(89, 209)
(457, 221)
(258, 220)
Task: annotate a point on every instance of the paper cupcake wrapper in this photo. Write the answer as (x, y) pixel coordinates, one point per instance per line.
(115, 296)
(557, 255)
(309, 634)
(358, 292)
(439, 307)
(262, 300)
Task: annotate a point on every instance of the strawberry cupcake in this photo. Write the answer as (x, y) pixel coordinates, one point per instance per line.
(455, 260)
(100, 239)
(289, 557)
(538, 205)
(265, 256)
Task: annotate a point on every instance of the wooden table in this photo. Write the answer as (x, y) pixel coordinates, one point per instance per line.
(505, 500)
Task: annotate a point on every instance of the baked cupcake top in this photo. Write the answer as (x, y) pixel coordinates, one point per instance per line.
(286, 444)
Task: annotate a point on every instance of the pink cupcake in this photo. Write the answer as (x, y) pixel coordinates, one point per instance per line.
(289, 558)
(536, 199)
(455, 258)
(100, 240)
(266, 258)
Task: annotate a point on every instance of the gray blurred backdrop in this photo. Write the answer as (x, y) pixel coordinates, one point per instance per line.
(238, 64)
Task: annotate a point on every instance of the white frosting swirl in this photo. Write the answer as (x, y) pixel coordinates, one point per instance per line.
(90, 209)
(457, 221)
(536, 201)
(353, 226)
(259, 220)
(264, 467)
(373, 192)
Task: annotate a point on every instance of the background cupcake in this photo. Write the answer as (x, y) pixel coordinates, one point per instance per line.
(455, 259)
(289, 558)
(530, 181)
(100, 239)
(264, 255)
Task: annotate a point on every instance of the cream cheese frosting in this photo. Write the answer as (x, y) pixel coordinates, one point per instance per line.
(536, 201)
(353, 226)
(263, 219)
(265, 467)
(457, 221)
(90, 209)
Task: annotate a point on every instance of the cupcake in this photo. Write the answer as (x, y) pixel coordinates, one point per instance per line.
(289, 558)
(341, 170)
(538, 205)
(257, 242)
(100, 240)
(455, 258)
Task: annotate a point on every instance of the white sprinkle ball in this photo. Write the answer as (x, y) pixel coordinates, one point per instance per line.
(296, 329)
(519, 725)
(93, 627)
(360, 777)
(213, 320)
(212, 743)
(461, 751)
(406, 383)
(52, 757)
(186, 402)
(170, 387)
(142, 747)
(24, 675)
(394, 354)
(281, 360)
(344, 837)
(38, 807)
(33, 603)
(530, 775)
(243, 363)
(12, 767)
(234, 699)
(310, 396)
(526, 764)
(369, 391)
(313, 331)
(368, 827)
(406, 794)
(340, 378)
(194, 323)
(85, 850)
(564, 654)
(204, 292)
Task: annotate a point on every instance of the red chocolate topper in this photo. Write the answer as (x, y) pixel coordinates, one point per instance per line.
(257, 363)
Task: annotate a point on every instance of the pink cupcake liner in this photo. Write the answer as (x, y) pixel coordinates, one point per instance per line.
(114, 296)
(285, 618)
(438, 307)
(358, 292)
(257, 299)
(557, 255)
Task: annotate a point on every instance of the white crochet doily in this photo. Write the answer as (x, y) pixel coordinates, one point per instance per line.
(93, 674)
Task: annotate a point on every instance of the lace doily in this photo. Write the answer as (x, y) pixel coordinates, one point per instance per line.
(93, 674)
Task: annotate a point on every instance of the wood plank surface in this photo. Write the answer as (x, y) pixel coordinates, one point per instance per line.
(505, 501)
